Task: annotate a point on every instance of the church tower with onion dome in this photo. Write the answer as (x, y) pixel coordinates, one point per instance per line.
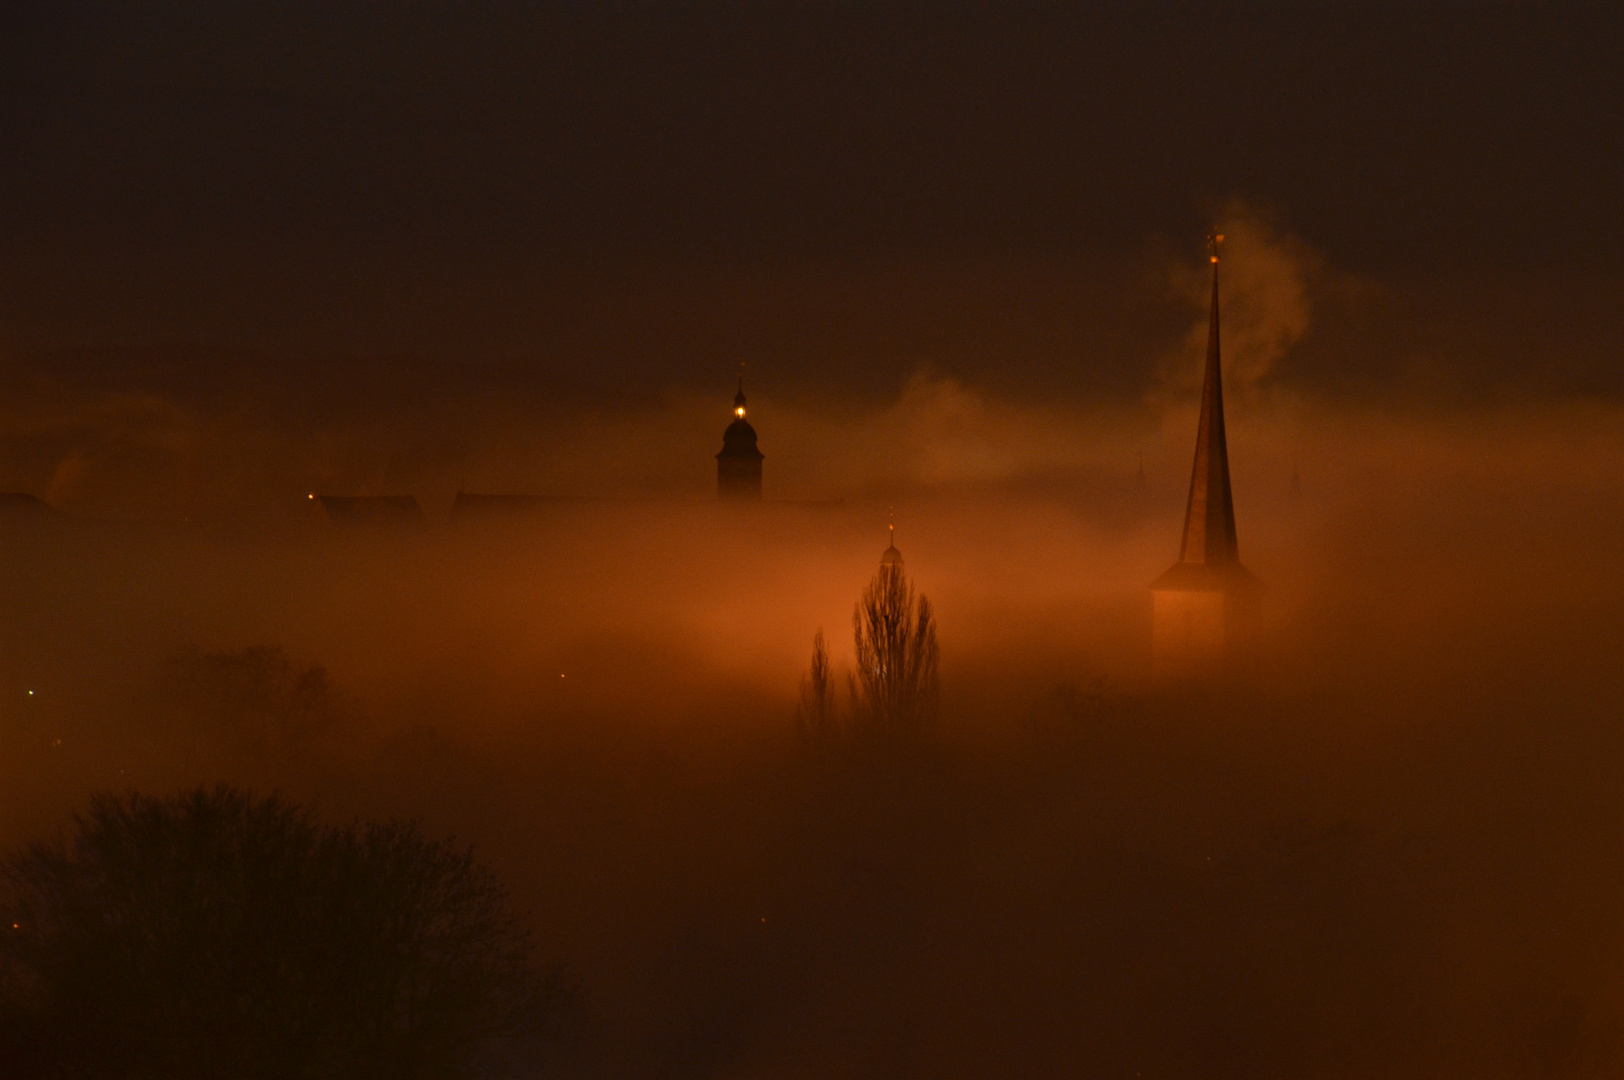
(738, 465)
(1201, 607)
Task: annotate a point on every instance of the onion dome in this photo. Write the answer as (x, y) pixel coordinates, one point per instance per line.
(739, 440)
(738, 466)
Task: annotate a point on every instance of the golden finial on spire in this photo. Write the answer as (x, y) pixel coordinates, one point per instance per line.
(891, 556)
(1213, 240)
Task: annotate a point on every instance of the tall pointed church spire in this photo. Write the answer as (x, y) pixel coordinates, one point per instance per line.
(1209, 516)
(1203, 608)
(891, 556)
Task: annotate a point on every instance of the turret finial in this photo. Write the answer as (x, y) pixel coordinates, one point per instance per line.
(891, 556)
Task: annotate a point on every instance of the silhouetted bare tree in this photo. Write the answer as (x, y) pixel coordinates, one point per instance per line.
(895, 690)
(815, 716)
(216, 933)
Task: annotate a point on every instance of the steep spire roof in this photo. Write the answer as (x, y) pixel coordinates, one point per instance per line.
(891, 556)
(1209, 516)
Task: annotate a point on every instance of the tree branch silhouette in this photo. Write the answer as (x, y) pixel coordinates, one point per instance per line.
(895, 689)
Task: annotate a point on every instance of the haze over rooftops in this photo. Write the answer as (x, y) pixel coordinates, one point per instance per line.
(22, 502)
(371, 509)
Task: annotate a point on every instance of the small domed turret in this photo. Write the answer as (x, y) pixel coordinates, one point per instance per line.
(738, 466)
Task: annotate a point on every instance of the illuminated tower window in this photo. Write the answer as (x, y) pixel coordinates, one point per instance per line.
(738, 466)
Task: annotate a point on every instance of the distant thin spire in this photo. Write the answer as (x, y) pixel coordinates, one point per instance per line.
(891, 555)
(1209, 516)
(738, 399)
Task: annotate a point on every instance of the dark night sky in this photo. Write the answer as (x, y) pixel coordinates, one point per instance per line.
(586, 193)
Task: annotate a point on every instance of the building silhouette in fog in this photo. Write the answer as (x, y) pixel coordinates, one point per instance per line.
(1202, 606)
(738, 465)
(23, 504)
(738, 477)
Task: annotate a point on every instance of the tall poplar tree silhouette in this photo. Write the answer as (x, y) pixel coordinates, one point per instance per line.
(895, 690)
(815, 716)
